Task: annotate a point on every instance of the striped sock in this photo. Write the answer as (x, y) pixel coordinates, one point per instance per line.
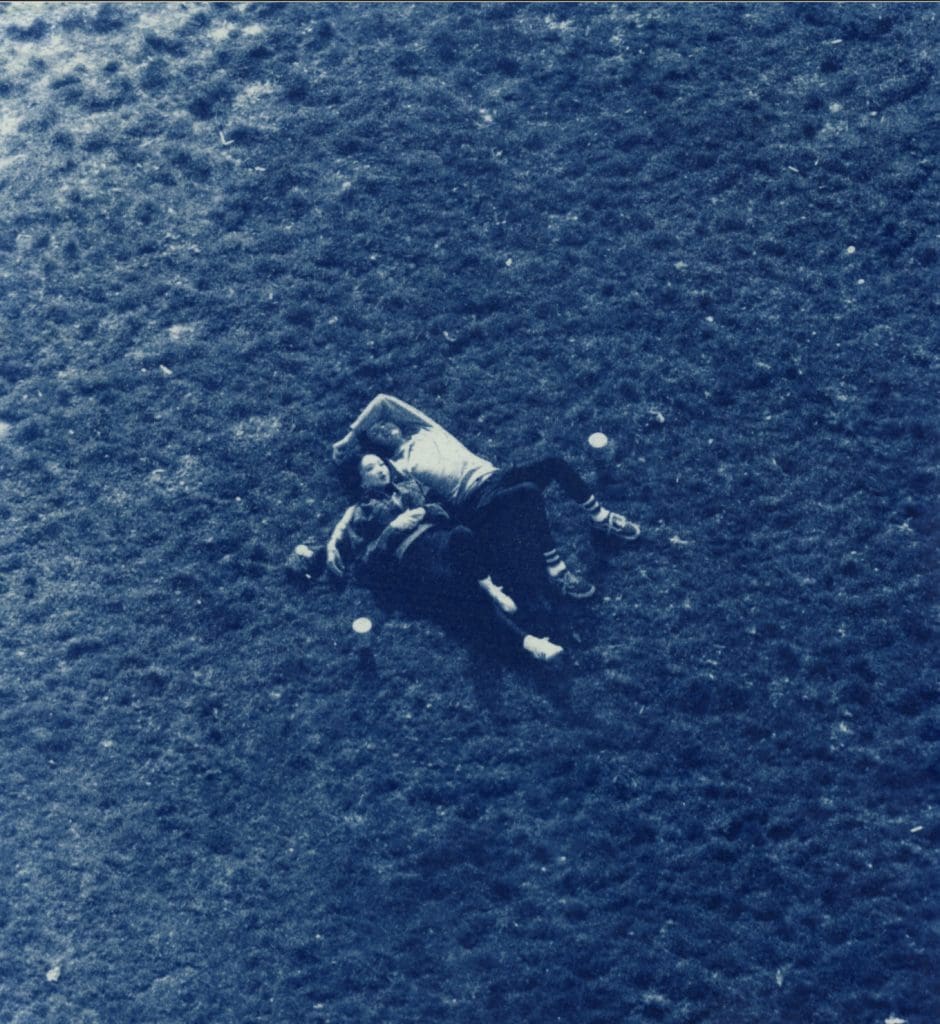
(554, 563)
(595, 509)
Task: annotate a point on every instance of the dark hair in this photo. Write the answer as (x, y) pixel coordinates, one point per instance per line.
(377, 443)
(347, 468)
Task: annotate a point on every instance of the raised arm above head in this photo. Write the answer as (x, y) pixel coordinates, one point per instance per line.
(383, 409)
(394, 410)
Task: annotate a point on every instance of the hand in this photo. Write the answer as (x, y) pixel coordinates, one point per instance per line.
(334, 560)
(340, 447)
(407, 520)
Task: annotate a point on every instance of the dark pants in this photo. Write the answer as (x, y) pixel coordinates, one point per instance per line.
(508, 511)
(446, 564)
(543, 473)
(445, 558)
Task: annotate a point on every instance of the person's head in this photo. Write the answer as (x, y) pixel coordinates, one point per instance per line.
(385, 436)
(374, 474)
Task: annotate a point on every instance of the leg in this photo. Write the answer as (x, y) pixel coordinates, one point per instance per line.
(469, 562)
(447, 562)
(514, 528)
(452, 564)
(465, 554)
(545, 472)
(558, 470)
(539, 647)
(513, 513)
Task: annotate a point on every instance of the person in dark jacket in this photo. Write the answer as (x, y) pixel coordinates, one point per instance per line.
(394, 535)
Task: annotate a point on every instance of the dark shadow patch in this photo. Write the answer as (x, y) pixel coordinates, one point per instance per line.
(32, 32)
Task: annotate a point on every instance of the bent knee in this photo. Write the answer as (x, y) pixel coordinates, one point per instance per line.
(462, 541)
(522, 496)
(556, 464)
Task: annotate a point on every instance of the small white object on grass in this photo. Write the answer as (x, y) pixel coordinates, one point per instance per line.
(303, 551)
(362, 627)
(601, 447)
(54, 973)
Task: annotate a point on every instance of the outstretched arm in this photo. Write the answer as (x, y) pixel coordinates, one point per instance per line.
(385, 408)
(334, 560)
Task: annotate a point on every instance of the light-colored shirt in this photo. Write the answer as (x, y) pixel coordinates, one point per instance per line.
(442, 464)
(429, 453)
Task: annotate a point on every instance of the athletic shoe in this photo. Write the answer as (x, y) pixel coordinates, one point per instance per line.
(541, 648)
(616, 525)
(572, 586)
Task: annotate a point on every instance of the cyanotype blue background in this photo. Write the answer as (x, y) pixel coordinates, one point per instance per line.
(708, 230)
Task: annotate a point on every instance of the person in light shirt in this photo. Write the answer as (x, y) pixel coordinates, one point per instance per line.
(493, 502)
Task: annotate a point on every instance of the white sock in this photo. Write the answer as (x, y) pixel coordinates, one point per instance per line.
(595, 509)
(499, 597)
(554, 563)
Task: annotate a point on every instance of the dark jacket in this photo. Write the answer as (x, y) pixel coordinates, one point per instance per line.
(371, 542)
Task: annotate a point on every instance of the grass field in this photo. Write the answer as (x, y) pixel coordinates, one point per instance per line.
(710, 231)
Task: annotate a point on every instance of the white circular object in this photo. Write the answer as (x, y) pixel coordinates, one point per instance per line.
(598, 441)
(362, 626)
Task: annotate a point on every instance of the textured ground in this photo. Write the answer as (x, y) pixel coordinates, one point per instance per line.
(711, 231)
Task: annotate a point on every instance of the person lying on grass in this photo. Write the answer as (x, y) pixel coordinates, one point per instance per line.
(480, 495)
(394, 535)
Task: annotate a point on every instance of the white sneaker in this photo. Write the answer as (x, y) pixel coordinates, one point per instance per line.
(571, 585)
(616, 525)
(499, 596)
(541, 648)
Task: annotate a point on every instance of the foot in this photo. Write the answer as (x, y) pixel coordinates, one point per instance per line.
(572, 586)
(498, 596)
(615, 525)
(541, 648)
